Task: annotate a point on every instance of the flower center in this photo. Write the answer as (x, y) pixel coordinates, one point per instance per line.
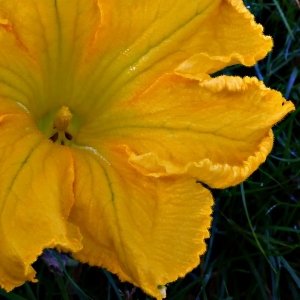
(60, 126)
(61, 123)
(62, 119)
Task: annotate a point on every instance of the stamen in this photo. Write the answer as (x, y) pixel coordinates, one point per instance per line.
(68, 136)
(54, 137)
(62, 119)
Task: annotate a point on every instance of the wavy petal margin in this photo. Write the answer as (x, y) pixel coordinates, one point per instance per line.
(217, 130)
(148, 231)
(36, 196)
(148, 135)
(228, 44)
(204, 36)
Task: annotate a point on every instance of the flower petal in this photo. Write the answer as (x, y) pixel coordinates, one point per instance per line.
(149, 231)
(139, 41)
(217, 130)
(42, 45)
(19, 75)
(36, 179)
(228, 43)
(87, 51)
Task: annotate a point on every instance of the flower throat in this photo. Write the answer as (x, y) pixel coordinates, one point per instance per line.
(61, 123)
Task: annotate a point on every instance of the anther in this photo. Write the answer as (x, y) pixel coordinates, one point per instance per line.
(54, 137)
(62, 119)
(68, 136)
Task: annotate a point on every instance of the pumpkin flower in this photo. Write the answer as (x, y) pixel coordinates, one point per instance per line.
(110, 120)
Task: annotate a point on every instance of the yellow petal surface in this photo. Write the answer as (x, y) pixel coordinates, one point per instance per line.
(42, 45)
(149, 231)
(206, 35)
(232, 37)
(36, 195)
(74, 52)
(218, 130)
(129, 184)
(20, 78)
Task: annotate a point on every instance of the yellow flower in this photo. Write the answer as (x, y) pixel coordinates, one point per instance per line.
(109, 118)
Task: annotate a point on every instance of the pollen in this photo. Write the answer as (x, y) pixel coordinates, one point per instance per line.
(62, 119)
